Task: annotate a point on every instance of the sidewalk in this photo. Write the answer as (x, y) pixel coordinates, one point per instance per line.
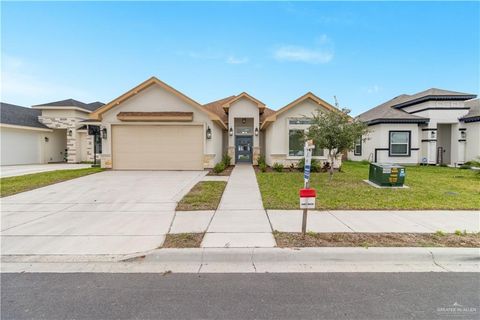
(240, 220)
(20, 170)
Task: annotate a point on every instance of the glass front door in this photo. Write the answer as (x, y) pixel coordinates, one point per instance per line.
(243, 149)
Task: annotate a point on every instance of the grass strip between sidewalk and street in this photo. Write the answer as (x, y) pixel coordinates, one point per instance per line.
(13, 185)
(183, 240)
(430, 188)
(205, 195)
(439, 239)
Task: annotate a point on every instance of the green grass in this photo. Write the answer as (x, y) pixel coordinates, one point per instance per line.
(13, 185)
(205, 195)
(430, 188)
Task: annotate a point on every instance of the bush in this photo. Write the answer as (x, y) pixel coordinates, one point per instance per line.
(465, 166)
(278, 167)
(226, 160)
(219, 167)
(314, 165)
(261, 160)
(262, 167)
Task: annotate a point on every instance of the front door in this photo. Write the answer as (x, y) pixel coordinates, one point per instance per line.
(243, 149)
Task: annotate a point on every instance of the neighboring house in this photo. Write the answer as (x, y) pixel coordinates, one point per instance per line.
(155, 127)
(471, 134)
(425, 127)
(47, 133)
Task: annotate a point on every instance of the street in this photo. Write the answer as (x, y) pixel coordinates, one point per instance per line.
(241, 296)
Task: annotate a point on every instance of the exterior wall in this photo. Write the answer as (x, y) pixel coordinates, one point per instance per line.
(21, 146)
(472, 148)
(157, 99)
(378, 138)
(54, 149)
(276, 135)
(69, 120)
(86, 147)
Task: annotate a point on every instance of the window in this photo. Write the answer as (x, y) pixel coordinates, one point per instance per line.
(300, 121)
(399, 143)
(357, 150)
(296, 143)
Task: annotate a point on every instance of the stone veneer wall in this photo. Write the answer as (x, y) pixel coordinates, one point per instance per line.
(72, 141)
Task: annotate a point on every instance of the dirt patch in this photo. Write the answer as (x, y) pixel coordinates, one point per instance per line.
(287, 239)
(228, 170)
(183, 240)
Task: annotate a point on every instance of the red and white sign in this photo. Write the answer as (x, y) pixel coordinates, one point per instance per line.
(307, 198)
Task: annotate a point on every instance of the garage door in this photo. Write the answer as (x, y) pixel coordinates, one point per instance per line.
(160, 147)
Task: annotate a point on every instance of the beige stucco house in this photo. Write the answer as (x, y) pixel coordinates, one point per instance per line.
(156, 127)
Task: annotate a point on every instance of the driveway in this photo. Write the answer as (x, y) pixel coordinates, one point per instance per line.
(112, 212)
(20, 170)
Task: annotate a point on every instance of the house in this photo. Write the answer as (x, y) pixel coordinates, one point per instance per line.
(428, 127)
(156, 127)
(46, 133)
(471, 134)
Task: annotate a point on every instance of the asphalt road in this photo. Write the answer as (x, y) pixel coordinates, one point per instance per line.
(241, 296)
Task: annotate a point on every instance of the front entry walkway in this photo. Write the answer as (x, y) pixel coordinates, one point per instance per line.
(240, 220)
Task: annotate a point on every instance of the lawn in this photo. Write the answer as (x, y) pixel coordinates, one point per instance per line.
(205, 195)
(13, 185)
(430, 188)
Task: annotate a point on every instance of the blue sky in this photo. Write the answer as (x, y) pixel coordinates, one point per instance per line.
(362, 52)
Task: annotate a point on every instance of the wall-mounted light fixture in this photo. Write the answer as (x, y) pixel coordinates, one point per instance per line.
(104, 133)
(46, 139)
(209, 133)
(463, 134)
(433, 134)
(256, 131)
(230, 132)
(70, 132)
(244, 120)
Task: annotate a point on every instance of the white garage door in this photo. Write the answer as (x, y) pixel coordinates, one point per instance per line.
(157, 147)
(20, 146)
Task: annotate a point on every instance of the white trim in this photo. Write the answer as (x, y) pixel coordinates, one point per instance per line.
(12, 126)
(61, 108)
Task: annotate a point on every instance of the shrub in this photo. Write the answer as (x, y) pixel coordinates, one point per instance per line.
(226, 160)
(314, 165)
(219, 167)
(261, 160)
(440, 233)
(278, 167)
(465, 166)
(262, 167)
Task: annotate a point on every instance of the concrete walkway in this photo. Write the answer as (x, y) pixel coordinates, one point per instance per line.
(240, 220)
(20, 170)
(376, 221)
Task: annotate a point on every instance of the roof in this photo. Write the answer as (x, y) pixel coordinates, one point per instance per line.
(387, 113)
(97, 114)
(431, 94)
(72, 103)
(20, 116)
(259, 103)
(473, 114)
(217, 107)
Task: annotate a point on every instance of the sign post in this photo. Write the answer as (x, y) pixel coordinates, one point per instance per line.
(307, 195)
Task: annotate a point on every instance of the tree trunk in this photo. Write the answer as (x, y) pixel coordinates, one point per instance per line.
(332, 157)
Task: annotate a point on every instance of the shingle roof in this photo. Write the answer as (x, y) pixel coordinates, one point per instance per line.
(217, 108)
(72, 103)
(20, 116)
(432, 94)
(474, 112)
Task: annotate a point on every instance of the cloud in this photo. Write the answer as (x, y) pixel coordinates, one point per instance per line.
(321, 53)
(373, 89)
(20, 85)
(235, 60)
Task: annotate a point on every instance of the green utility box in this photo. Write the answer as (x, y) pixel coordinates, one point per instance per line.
(387, 175)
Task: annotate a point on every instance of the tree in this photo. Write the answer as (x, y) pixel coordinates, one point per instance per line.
(335, 131)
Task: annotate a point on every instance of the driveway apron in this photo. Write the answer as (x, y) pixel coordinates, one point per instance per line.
(240, 220)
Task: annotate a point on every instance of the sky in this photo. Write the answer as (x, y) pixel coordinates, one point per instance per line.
(364, 53)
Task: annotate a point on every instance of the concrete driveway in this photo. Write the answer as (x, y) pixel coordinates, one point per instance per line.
(112, 212)
(20, 170)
